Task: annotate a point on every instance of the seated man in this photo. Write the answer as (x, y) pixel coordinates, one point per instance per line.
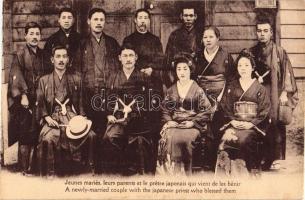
(128, 137)
(59, 99)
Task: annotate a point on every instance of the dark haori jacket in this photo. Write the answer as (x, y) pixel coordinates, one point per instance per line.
(137, 88)
(274, 59)
(148, 48)
(46, 94)
(26, 69)
(87, 61)
(72, 43)
(182, 40)
(222, 63)
(194, 107)
(256, 93)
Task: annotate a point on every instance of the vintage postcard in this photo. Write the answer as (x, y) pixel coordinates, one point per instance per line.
(152, 99)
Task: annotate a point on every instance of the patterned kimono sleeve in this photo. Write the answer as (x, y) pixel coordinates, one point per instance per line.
(41, 107)
(204, 110)
(263, 106)
(227, 104)
(168, 107)
(289, 82)
(231, 70)
(17, 84)
(80, 94)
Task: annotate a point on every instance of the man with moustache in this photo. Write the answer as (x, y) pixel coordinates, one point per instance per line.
(148, 46)
(274, 71)
(26, 69)
(65, 36)
(150, 61)
(98, 56)
(128, 138)
(59, 100)
(185, 39)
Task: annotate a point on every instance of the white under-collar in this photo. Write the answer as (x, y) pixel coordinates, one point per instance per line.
(210, 57)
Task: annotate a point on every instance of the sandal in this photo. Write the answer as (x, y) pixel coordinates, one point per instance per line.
(276, 165)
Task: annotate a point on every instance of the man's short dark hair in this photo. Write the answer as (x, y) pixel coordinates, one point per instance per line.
(188, 6)
(141, 10)
(96, 10)
(69, 10)
(127, 45)
(57, 47)
(31, 25)
(263, 21)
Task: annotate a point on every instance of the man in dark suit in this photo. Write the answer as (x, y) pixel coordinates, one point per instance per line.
(65, 36)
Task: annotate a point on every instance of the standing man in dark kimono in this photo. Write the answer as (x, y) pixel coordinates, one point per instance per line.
(27, 67)
(148, 48)
(65, 36)
(98, 56)
(185, 39)
(150, 59)
(275, 72)
(129, 129)
(59, 99)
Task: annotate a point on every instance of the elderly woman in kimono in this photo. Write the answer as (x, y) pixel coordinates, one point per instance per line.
(186, 111)
(214, 68)
(245, 105)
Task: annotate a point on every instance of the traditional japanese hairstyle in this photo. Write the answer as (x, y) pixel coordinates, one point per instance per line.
(245, 53)
(184, 57)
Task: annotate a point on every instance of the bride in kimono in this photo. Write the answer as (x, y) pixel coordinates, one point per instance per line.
(245, 105)
(185, 113)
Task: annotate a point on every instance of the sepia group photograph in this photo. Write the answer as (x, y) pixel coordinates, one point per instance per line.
(152, 99)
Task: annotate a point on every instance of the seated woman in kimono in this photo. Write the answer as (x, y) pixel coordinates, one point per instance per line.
(245, 105)
(186, 111)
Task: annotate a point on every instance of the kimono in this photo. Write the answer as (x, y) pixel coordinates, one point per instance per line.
(150, 54)
(180, 40)
(245, 146)
(96, 62)
(128, 143)
(55, 149)
(280, 77)
(178, 142)
(212, 76)
(26, 69)
(71, 42)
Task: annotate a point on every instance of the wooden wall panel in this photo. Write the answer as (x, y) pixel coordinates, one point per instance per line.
(221, 19)
(237, 32)
(299, 72)
(235, 6)
(43, 20)
(297, 60)
(40, 7)
(19, 33)
(292, 4)
(167, 29)
(293, 31)
(235, 46)
(293, 45)
(292, 17)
